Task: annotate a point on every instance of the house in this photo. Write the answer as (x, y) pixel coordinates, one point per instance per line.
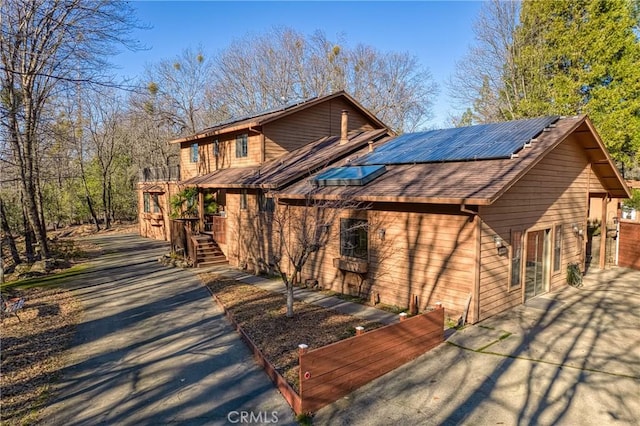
(480, 219)
(217, 158)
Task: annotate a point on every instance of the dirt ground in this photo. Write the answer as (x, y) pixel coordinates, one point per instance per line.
(33, 350)
(261, 314)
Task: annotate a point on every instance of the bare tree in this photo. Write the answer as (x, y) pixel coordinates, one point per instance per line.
(46, 47)
(487, 79)
(299, 231)
(107, 136)
(261, 72)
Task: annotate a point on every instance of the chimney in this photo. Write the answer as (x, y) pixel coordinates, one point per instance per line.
(344, 127)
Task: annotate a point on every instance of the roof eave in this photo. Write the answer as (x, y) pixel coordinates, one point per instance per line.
(389, 199)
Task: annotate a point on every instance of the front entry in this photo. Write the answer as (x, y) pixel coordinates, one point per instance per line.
(536, 280)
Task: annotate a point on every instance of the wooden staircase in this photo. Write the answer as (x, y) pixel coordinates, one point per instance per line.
(208, 252)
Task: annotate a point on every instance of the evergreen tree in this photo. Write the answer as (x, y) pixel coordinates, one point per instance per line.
(583, 57)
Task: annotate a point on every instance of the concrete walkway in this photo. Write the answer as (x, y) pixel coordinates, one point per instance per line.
(566, 358)
(154, 349)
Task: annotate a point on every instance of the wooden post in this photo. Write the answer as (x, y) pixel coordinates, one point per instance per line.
(603, 234)
(413, 306)
(200, 211)
(359, 330)
(302, 349)
(403, 316)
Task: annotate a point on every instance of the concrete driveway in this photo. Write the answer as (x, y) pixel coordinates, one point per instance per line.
(568, 358)
(154, 349)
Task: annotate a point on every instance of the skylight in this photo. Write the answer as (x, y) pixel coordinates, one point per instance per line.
(349, 176)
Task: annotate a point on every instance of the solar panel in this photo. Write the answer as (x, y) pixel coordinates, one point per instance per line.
(347, 176)
(481, 142)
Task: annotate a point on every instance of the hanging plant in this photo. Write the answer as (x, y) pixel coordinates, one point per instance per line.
(210, 205)
(184, 203)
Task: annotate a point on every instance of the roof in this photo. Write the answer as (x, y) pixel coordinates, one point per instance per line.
(486, 141)
(264, 117)
(152, 187)
(291, 167)
(467, 182)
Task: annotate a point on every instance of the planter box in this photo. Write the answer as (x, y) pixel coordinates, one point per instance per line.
(357, 266)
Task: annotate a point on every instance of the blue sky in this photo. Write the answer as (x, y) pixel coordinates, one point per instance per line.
(438, 33)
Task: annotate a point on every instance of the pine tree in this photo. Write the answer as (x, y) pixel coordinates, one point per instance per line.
(583, 57)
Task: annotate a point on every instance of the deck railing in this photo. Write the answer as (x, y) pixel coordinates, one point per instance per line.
(160, 174)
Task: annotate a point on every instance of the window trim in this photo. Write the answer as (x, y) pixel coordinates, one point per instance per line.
(242, 145)
(556, 266)
(356, 229)
(517, 241)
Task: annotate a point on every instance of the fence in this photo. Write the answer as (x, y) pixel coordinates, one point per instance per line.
(333, 371)
(629, 245)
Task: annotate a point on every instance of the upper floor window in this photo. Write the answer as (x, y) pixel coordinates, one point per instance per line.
(242, 149)
(216, 148)
(354, 237)
(194, 152)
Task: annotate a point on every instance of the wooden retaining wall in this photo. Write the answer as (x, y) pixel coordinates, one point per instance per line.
(333, 371)
(629, 248)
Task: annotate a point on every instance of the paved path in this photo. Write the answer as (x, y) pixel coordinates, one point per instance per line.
(567, 358)
(154, 349)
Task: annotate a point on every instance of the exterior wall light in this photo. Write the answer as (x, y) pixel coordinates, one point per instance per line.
(576, 229)
(381, 233)
(500, 246)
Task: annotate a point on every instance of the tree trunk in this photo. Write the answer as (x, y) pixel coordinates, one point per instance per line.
(7, 231)
(28, 237)
(94, 216)
(289, 299)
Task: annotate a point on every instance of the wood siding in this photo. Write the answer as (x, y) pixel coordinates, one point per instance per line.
(250, 238)
(208, 162)
(423, 254)
(298, 129)
(156, 225)
(554, 192)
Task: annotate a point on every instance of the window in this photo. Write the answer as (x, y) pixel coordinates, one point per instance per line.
(265, 204)
(243, 199)
(194, 152)
(156, 203)
(354, 238)
(147, 202)
(557, 248)
(516, 258)
(241, 146)
(216, 148)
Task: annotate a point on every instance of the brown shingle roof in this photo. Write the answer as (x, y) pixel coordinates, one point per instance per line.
(471, 182)
(291, 167)
(260, 119)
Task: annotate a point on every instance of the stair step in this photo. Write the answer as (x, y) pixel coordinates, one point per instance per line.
(212, 263)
